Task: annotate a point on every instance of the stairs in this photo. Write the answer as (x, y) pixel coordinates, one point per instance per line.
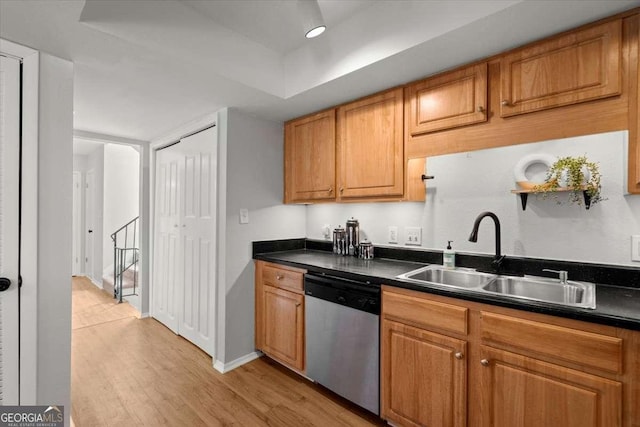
(129, 278)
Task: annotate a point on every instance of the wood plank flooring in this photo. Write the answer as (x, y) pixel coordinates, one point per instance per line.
(135, 372)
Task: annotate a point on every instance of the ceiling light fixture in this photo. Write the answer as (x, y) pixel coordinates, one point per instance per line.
(311, 18)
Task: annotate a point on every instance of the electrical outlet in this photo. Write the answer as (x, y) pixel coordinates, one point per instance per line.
(326, 231)
(635, 248)
(413, 236)
(393, 234)
(244, 216)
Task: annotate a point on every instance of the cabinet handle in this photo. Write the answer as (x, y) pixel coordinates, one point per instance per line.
(484, 362)
(458, 355)
(505, 103)
(330, 190)
(279, 277)
(341, 190)
(480, 109)
(298, 304)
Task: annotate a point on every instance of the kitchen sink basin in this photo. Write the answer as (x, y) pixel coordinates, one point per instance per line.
(458, 278)
(574, 294)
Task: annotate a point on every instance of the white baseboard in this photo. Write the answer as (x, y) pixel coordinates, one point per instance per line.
(223, 368)
(144, 315)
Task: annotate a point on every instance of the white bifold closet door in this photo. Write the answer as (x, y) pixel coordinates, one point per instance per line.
(183, 285)
(9, 223)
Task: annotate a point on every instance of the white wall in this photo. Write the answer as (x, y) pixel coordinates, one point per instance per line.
(254, 180)
(466, 184)
(80, 163)
(95, 163)
(121, 202)
(55, 195)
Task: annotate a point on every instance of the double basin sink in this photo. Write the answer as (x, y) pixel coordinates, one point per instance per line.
(569, 293)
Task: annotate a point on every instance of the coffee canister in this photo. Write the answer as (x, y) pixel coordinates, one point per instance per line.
(353, 236)
(340, 241)
(365, 250)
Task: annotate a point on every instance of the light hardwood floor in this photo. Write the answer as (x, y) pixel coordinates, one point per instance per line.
(128, 371)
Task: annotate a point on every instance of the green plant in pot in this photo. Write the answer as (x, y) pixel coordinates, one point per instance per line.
(576, 173)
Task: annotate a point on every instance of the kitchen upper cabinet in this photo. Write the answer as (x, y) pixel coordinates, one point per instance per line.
(370, 147)
(576, 67)
(310, 158)
(447, 101)
(519, 391)
(279, 311)
(424, 377)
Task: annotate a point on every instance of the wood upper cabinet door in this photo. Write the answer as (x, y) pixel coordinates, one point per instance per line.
(310, 158)
(423, 377)
(448, 101)
(577, 67)
(283, 325)
(370, 147)
(519, 391)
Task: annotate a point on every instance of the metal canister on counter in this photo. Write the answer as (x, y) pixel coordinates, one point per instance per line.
(340, 241)
(353, 236)
(365, 250)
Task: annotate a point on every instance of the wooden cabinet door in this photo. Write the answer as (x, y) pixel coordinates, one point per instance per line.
(519, 391)
(310, 158)
(448, 101)
(370, 147)
(424, 377)
(569, 69)
(283, 325)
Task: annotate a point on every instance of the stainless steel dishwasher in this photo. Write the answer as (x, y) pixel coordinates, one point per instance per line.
(342, 337)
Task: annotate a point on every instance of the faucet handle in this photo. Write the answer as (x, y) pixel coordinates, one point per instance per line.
(564, 275)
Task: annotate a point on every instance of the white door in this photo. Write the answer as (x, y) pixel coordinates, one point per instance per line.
(89, 214)
(77, 261)
(166, 238)
(185, 237)
(198, 236)
(9, 222)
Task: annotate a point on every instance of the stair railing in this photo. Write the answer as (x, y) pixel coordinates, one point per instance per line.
(125, 256)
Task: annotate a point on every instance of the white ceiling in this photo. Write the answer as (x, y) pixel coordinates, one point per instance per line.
(143, 68)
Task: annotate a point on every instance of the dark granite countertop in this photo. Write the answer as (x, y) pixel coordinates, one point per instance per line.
(615, 305)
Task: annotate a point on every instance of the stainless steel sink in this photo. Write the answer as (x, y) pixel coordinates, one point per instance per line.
(458, 278)
(574, 294)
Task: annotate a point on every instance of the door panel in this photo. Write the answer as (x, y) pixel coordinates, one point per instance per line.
(166, 255)
(76, 266)
(89, 225)
(198, 236)
(519, 391)
(9, 223)
(185, 235)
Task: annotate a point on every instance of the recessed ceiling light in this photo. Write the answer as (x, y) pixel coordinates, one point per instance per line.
(315, 32)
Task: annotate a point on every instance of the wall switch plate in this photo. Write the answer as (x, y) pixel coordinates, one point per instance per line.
(635, 248)
(393, 234)
(244, 216)
(413, 236)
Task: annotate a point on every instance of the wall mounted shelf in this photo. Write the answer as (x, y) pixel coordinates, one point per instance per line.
(524, 195)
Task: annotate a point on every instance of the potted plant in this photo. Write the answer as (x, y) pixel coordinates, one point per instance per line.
(578, 175)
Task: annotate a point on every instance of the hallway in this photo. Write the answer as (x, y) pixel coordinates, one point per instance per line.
(135, 372)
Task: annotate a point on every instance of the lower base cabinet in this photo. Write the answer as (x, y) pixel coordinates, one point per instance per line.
(452, 363)
(519, 391)
(423, 377)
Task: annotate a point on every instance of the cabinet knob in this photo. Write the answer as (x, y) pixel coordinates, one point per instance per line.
(480, 109)
(330, 190)
(458, 355)
(341, 190)
(279, 277)
(484, 362)
(505, 103)
(298, 304)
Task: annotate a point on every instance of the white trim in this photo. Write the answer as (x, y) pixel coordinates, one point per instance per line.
(223, 368)
(29, 219)
(144, 315)
(104, 138)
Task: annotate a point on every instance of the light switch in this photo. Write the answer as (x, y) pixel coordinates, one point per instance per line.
(413, 236)
(635, 248)
(244, 216)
